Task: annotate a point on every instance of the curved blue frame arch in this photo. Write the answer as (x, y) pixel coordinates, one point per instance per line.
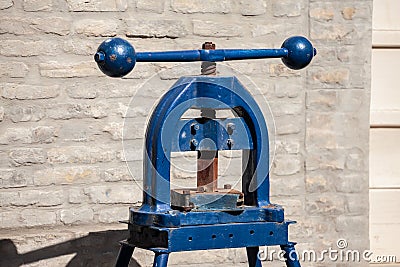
(199, 92)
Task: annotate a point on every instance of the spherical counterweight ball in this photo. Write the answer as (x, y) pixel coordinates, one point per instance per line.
(300, 52)
(115, 57)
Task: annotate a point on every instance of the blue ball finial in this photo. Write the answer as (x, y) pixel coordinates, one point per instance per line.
(115, 57)
(300, 52)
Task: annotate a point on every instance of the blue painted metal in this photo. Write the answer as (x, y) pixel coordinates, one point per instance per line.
(291, 257)
(160, 259)
(219, 135)
(157, 225)
(116, 57)
(174, 218)
(205, 92)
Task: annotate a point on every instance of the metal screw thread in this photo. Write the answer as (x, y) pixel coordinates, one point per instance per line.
(208, 68)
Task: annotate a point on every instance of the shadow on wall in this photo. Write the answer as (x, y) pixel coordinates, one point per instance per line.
(95, 249)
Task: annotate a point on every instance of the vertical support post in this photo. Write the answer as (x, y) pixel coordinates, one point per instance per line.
(124, 255)
(291, 257)
(252, 257)
(160, 259)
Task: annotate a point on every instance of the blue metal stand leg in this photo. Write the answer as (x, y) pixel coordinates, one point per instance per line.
(124, 255)
(160, 260)
(252, 257)
(291, 256)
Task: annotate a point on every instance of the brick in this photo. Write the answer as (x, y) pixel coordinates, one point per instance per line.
(26, 113)
(4, 4)
(131, 112)
(287, 8)
(286, 164)
(50, 199)
(114, 194)
(55, 69)
(318, 182)
(54, 25)
(325, 204)
(16, 25)
(292, 90)
(132, 151)
(78, 92)
(113, 215)
(40, 134)
(80, 46)
(334, 32)
(80, 154)
(356, 203)
(27, 156)
(280, 70)
(201, 6)
(285, 107)
(23, 198)
(66, 175)
(117, 174)
(329, 78)
(159, 28)
(179, 70)
(293, 207)
(26, 26)
(153, 6)
(24, 91)
(76, 196)
(135, 171)
(75, 215)
(97, 5)
(321, 100)
(13, 69)
(33, 217)
(38, 5)
(272, 30)
(351, 182)
(216, 29)
(287, 146)
(16, 135)
(328, 159)
(253, 7)
(287, 186)
(76, 111)
(120, 89)
(126, 131)
(263, 30)
(11, 178)
(356, 160)
(322, 14)
(114, 129)
(43, 134)
(93, 27)
(81, 131)
(289, 124)
(356, 223)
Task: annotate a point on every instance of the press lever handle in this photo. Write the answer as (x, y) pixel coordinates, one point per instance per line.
(116, 57)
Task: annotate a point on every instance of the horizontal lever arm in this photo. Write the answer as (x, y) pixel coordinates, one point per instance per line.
(117, 57)
(210, 55)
